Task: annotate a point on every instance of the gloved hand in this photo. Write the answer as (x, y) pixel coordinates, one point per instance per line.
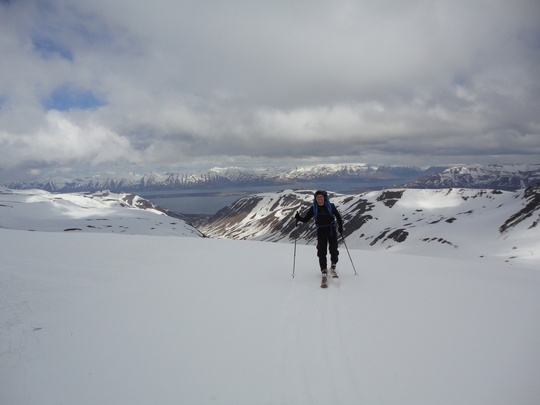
(340, 230)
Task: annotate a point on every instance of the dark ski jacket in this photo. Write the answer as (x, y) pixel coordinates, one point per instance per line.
(324, 218)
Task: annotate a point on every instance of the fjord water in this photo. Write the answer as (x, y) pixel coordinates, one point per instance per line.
(208, 201)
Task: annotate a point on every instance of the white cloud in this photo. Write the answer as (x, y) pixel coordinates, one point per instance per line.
(190, 81)
(62, 141)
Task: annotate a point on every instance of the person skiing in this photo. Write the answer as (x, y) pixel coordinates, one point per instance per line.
(326, 215)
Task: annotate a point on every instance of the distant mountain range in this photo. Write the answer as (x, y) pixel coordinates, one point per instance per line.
(230, 177)
(504, 177)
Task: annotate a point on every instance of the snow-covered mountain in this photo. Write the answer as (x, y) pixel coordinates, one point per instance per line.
(502, 177)
(449, 222)
(230, 176)
(39, 210)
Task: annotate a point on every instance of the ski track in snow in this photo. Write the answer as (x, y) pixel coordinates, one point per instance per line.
(312, 330)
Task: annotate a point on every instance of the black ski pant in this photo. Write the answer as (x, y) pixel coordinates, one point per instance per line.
(327, 238)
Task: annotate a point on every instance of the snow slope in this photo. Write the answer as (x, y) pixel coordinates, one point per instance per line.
(39, 210)
(107, 318)
(480, 225)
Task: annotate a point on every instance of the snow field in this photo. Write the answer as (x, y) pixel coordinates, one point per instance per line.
(102, 318)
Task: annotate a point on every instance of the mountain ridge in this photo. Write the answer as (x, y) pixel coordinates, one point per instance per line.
(99, 212)
(504, 177)
(396, 219)
(229, 176)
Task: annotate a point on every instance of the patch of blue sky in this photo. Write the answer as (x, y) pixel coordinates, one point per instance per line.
(47, 48)
(67, 97)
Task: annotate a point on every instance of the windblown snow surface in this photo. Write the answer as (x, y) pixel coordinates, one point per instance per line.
(110, 318)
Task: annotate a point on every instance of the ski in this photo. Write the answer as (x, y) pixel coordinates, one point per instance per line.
(324, 281)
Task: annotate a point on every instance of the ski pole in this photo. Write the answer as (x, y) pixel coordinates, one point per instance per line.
(354, 268)
(295, 237)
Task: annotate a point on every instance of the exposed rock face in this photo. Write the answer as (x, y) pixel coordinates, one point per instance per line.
(532, 207)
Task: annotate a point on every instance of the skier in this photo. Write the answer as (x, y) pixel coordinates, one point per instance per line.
(326, 215)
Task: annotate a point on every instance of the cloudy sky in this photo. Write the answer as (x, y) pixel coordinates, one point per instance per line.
(99, 85)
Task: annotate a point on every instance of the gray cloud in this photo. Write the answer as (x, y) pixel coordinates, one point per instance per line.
(187, 82)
